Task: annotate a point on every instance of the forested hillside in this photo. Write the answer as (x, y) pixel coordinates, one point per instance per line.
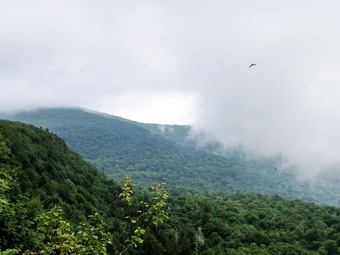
(54, 173)
(44, 172)
(37, 171)
(152, 152)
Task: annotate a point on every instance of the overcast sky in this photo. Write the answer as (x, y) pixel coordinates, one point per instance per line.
(186, 62)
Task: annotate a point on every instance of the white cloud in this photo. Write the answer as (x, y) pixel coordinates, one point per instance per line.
(186, 61)
(171, 108)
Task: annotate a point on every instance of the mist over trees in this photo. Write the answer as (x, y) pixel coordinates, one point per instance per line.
(118, 147)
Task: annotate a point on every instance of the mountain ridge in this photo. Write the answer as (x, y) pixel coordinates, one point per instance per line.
(118, 146)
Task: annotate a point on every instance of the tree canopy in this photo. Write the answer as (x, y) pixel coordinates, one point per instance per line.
(53, 202)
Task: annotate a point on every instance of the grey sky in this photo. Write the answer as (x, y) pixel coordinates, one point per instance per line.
(186, 62)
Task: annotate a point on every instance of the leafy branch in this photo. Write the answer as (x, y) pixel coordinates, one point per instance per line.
(151, 213)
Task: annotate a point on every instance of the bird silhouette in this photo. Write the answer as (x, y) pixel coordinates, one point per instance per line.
(252, 65)
(274, 168)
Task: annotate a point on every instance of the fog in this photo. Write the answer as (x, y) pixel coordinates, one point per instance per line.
(186, 62)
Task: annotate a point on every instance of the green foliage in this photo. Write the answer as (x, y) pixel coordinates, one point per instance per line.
(142, 214)
(5, 174)
(152, 152)
(39, 170)
(60, 237)
(127, 193)
(249, 224)
(9, 252)
(94, 236)
(56, 234)
(16, 211)
(54, 174)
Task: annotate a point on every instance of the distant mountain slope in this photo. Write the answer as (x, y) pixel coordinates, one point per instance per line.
(119, 147)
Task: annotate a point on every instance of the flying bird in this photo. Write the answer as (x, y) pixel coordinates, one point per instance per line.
(274, 168)
(252, 65)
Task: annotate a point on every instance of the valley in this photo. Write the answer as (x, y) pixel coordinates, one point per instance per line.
(151, 153)
(173, 197)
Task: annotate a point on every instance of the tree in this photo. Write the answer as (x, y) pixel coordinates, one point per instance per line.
(60, 237)
(142, 214)
(5, 175)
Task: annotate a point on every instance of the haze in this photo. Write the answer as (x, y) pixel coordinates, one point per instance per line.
(186, 62)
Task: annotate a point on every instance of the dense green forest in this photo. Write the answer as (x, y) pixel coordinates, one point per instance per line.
(53, 202)
(152, 152)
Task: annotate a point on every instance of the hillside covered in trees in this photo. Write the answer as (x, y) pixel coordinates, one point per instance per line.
(38, 171)
(151, 152)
